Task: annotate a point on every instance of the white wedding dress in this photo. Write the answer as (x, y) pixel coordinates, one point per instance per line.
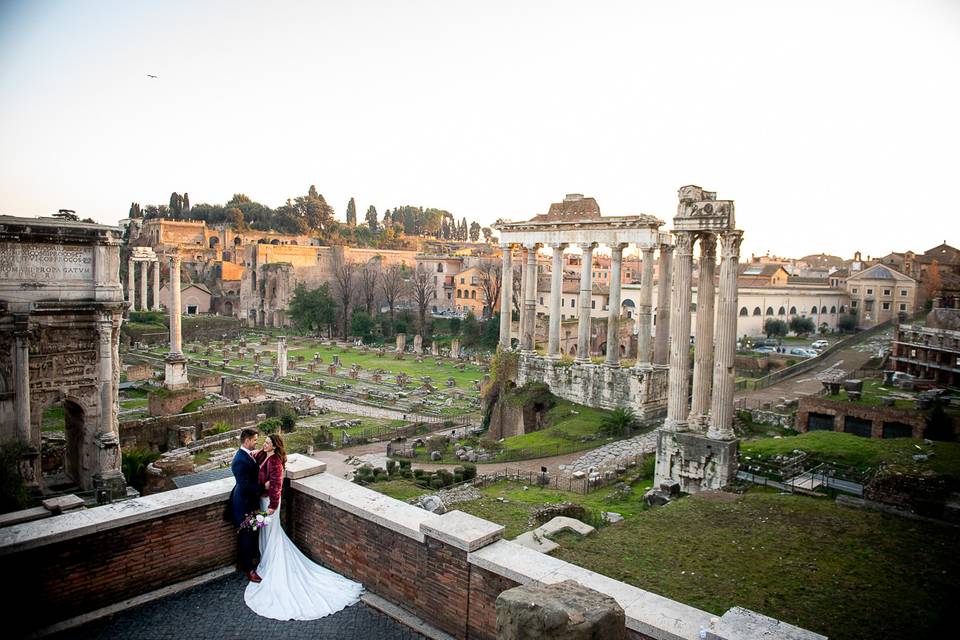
(294, 587)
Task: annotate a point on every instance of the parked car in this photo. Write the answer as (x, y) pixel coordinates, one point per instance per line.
(764, 350)
(800, 351)
(820, 344)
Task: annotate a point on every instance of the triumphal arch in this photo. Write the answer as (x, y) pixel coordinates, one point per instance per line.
(61, 304)
(577, 222)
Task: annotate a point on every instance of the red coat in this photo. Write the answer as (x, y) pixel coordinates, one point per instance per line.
(271, 470)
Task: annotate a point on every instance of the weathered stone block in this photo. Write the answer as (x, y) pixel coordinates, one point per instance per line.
(562, 611)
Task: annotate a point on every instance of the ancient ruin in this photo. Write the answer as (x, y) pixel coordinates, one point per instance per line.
(696, 446)
(145, 257)
(577, 222)
(61, 305)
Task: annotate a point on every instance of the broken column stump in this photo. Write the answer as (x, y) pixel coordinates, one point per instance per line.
(563, 611)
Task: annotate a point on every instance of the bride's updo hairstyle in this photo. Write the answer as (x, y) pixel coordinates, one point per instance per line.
(279, 449)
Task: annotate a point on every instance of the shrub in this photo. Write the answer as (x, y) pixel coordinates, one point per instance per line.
(134, 465)
(391, 467)
(222, 426)
(288, 422)
(618, 421)
(469, 471)
(406, 473)
(418, 473)
(791, 362)
(405, 464)
(457, 478)
(270, 425)
(436, 482)
(647, 466)
(379, 471)
(445, 476)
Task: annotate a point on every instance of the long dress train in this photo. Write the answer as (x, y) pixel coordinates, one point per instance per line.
(294, 587)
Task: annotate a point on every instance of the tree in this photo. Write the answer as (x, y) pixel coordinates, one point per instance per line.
(491, 279)
(474, 231)
(372, 218)
(369, 279)
(312, 309)
(135, 211)
(239, 198)
(352, 213)
(186, 202)
(517, 302)
(361, 324)
(422, 291)
(775, 328)
(235, 217)
(393, 285)
(176, 205)
(847, 322)
(470, 329)
(487, 234)
(67, 214)
(344, 272)
(618, 421)
(802, 326)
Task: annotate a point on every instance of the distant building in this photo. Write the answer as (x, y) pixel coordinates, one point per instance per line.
(880, 293)
(470, 294)
(930, 351)
(194, 298)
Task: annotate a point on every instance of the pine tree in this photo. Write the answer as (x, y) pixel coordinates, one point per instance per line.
(352, 213)
(463, 230)
(186, 202)
(372, 218)
(312, 192)
(474, 231)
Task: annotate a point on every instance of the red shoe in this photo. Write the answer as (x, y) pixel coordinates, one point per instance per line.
(254, 577)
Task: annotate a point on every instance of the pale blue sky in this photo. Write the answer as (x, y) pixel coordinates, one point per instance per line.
(833, 124)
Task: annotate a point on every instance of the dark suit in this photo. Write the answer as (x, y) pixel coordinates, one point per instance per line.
(245, 498)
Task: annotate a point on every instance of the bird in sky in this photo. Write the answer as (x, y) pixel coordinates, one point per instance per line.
(151, 76)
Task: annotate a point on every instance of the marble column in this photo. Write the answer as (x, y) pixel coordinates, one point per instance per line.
(522, 327)
(105, 370)
(613, 307)
(144, 281)
(586, 295)
(131, 285)
(22, 378)
(661, 348)
(506, 296)
(156, 285)
(724, 374)
(703, 349)
(556, 295)
(175, 335)
(529, 339)
(645, 309)
(678, 389)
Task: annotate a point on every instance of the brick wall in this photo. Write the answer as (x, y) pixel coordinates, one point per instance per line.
(430, 579)
(79, 575)
(485, 587)
(152, 432)
(172, 402)
(877, 415)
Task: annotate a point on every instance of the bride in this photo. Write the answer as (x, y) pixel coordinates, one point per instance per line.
(293, 586)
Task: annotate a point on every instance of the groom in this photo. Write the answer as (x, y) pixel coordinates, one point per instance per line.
(245, 498)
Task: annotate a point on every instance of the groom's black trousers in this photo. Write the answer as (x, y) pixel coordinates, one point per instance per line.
(248, 543)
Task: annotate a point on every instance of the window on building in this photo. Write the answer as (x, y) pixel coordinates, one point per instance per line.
(573, 302)
(781, 311)
(756, 311)
(541, 299)
(853, 304)
(769, 311)
(854, 290)
(463, 281)
(440, 268)
(903, 293)
(868, 305)
(886, 306)
(793, 311)
(869, 292)
(743, 311)
(903, 306)
(563, 302)
(886, 292)
(593, 304)
(191, 309)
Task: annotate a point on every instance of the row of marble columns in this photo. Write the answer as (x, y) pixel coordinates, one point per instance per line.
(711, 408)
(650, 352)
(131, 284)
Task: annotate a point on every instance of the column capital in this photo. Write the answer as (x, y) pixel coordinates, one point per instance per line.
(730, 244)
(531, 246)
(559, 246)
(648, 251)
(708, 244)
(683, 242)
(618, 247)
(587, 246)
(666, 248)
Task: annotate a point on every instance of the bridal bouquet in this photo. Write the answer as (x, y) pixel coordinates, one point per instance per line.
(256, 520)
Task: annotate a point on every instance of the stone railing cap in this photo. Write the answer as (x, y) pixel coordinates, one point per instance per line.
(81, 522)
(301, 466)
(462, 530)
(388, 512)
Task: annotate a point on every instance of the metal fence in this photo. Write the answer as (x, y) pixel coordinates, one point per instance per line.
(561, 482)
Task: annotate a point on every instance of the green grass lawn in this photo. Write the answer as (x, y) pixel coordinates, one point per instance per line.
(53, 419)
(845, 573)
(873, 393)
(861, 452)
(568, 423)
(194, 405)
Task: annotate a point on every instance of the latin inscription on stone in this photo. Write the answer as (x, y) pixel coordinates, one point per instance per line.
(45, 262)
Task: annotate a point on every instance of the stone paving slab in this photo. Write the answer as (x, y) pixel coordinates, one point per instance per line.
(217, 610)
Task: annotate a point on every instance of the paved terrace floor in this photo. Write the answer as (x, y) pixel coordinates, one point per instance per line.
(217, 610)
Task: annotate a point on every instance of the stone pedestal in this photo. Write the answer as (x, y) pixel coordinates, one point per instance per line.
(455, 348)
(697, 462)
(418, 344)
(401, 342)
(175, 371)
(282, 357)
(563, 611)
